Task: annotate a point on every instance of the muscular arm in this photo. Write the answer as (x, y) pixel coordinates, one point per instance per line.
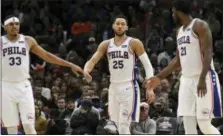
(47, 56)
(102, 48)
(205, 37)
(138, 48)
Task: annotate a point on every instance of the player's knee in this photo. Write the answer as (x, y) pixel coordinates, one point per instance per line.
(29, 129)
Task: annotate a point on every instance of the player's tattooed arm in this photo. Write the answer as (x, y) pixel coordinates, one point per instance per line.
(203, 31)
(101, 51)
(49, 57)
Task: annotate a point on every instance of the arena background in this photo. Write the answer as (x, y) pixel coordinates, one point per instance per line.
(72, 29)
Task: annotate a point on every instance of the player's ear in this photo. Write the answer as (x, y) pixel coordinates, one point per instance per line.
(113, 26)
(4, 27)
(127, 28)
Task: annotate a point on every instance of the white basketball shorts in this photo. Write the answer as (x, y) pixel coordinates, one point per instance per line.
(124, 104)
(17, 101)
(189, 104)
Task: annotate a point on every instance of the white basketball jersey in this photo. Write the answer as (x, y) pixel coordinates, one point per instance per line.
(15, 59)
(121, 61)
(190, 51)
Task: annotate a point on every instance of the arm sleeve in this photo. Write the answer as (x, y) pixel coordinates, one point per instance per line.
(147, 65)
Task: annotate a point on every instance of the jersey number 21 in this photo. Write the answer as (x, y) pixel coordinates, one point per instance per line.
(183, 51)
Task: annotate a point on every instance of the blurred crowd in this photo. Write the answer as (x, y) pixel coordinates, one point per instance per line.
(72, 29)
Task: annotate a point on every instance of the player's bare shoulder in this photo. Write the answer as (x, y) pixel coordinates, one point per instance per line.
(103, 46)
(135, 45)
(30, 41)
(135, 41)
(200, 26)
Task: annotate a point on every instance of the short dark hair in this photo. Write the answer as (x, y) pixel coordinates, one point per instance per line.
(182, 6)
(121, 16)
(61, 98)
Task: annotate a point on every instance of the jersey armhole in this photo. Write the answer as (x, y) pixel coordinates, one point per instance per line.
(106, 52)
(129, 47)
(27, 43)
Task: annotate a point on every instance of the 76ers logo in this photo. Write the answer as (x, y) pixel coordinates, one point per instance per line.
(30, 116)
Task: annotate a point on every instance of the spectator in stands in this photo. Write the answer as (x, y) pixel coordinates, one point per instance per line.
(85, 119)
(160, 108)
(38, 98)
(62, 111)
(168, 50)
(165, 86)
(56, 126)
(70, 105)
(41, 122)
(145, 126)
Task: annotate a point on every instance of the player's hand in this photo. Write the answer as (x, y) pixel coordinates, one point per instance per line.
(150, 96)
(87, 76)
(201, 87)
(152, 83)
(76, 69)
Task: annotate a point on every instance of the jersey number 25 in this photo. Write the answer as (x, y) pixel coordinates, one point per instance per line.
(118, 64)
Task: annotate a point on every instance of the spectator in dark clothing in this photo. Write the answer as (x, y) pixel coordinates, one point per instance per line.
(56, 126)
(38, 97)
(62, 111)
(85, 119)
(160, 109)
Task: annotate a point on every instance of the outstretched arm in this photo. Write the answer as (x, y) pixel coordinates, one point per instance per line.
(102, 48)
(174, 64)
(49, 57)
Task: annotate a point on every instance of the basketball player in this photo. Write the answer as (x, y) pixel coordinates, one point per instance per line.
(124, 95)
(17, 95)
(199, 91)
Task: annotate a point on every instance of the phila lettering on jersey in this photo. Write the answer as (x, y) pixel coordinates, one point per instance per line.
(15, 59)
(122, 61)
(189, 51)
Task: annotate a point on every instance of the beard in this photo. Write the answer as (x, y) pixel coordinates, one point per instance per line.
(177, 21)
(119, 34)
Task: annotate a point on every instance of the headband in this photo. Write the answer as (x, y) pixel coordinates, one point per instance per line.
(11, 19)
